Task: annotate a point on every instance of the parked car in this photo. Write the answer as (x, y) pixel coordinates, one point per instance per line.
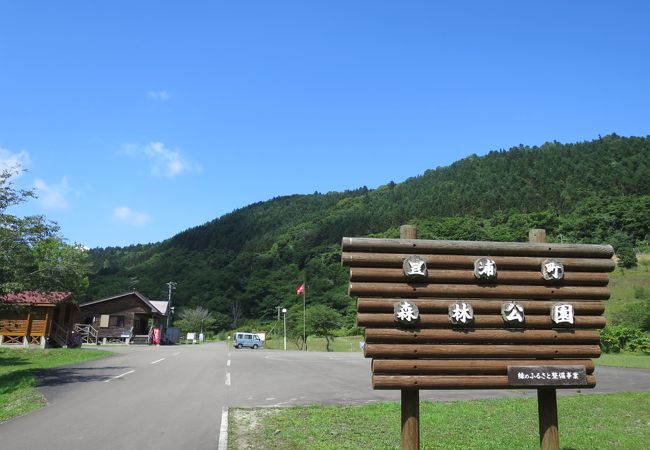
(251, 340)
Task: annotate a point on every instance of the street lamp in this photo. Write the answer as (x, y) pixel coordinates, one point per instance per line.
(284, 311)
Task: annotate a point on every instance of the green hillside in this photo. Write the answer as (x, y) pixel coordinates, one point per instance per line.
(244, 264)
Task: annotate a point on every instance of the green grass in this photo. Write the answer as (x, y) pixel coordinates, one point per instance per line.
(18, 392)
(315, 344)
(612, 421)
(626, 284)
(630, 360)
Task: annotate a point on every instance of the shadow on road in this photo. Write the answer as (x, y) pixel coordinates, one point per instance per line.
(69, 375)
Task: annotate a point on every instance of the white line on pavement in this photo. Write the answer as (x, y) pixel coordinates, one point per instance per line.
(227, 378)
(158, 360)
(119, 376)
(223, 431)
(176, 354)
(228, 363)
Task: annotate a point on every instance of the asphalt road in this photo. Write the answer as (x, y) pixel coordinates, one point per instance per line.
(173, 397)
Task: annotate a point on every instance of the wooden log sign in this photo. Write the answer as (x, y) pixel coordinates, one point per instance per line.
(479, 315)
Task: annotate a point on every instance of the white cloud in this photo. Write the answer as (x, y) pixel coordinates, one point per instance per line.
(159, 95)
(127, 215)
(52, 196)
(167, 162)
(14, 162)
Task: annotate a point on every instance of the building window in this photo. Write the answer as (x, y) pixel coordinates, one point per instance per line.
(116, 321)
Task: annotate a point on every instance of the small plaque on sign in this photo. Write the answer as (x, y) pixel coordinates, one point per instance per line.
(552, 269)
(562, 313)
(407, 313)
(513, 313)
(461, 313)
(547, 376)
(415, 267)
(485, 269)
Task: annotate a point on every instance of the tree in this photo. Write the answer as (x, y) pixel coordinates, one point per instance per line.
(34, 256)
(194, 319)
(295, 325)
(322, 321)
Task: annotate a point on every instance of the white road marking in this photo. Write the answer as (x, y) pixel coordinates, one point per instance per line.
(176, 354)
(158, 360)
(119, 376)
(269, 399)
(228, 363)
(223, 431)
(227, 378)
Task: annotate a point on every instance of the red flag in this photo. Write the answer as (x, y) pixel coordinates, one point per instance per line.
(300, 289)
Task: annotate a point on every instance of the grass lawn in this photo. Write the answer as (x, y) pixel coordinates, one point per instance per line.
(631, 360)
(18, 392)
(628, 285)
(315, 344)
(609, 421)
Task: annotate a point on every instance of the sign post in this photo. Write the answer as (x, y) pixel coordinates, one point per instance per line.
(410, 406)
(479, 315)
(549, 436)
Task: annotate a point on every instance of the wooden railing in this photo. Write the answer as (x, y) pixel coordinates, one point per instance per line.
(59, 334)
(88, 333)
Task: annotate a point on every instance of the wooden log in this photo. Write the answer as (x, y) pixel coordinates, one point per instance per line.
(377, 320)
(455, 336)
(466, 276)
(487, 248)
(481, 291)
(467, 366)
(355, 259)
(429, 305)
(410, 419)
(455, 382)
(480, 351)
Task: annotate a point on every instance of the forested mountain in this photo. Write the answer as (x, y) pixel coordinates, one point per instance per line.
(246, 263)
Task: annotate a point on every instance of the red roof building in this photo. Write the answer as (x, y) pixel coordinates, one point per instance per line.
(36, 318)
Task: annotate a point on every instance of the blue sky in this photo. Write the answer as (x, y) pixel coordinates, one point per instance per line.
(137, 120)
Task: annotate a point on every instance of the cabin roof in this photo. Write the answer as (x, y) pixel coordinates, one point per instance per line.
(35, 297)
(156, 306)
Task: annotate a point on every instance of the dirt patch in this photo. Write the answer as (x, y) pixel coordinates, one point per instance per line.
(244, 431)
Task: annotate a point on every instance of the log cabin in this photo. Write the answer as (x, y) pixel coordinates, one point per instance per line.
(37, 318)
(125, 318)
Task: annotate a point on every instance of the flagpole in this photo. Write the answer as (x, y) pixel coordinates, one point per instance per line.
(304, 315)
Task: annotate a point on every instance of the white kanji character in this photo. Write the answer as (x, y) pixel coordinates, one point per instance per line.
(461, 312)
(552, 269)
(513, 312)
(562, 313)
(485, 268)
(406, 312)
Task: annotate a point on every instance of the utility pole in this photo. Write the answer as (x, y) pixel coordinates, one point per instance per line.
(172, 286)
(279, 308)
(284, 311)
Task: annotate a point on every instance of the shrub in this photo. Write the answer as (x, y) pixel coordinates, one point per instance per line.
(615, 338)
(626, 256)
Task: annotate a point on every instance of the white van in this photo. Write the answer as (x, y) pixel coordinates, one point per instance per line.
(243, 339)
